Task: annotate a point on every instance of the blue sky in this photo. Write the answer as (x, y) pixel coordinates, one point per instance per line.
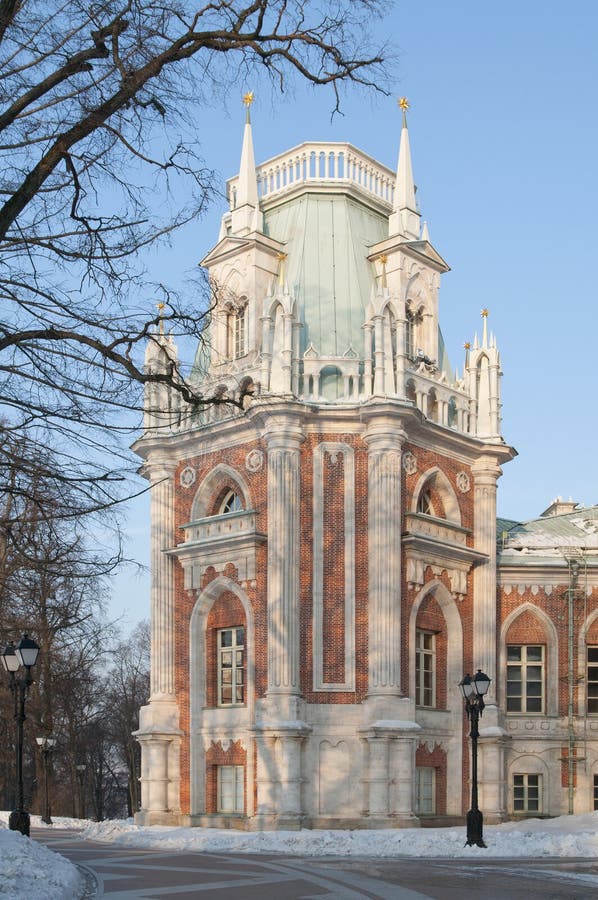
(504, 140)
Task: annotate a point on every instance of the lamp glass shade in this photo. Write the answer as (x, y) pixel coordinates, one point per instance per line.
(40, 741)
(80, 768)
(482, 683)
(50, 742)
(466, 685)
(9, 658)
(27, 651)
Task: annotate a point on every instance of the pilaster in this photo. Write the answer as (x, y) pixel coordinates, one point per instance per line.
(284, 444)
(486, 473)
(159, 733)
(384, 443)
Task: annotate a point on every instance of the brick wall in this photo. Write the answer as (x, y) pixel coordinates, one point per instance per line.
(227, 612)
(431, 618)
(435, 759)
(234, 755)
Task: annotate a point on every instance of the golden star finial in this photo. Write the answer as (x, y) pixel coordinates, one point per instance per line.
(403, 103)
(160, 307)
(467, 345)
(248, 98)
(484, 314)
(384, 260)
(280, 255)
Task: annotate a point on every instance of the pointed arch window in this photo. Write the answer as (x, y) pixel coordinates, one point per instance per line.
(413, 320)
(240, 329)
(236, 332)
(424, 504)
(231, 502)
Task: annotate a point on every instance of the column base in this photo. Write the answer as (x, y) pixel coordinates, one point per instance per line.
(160, 817)
(379, 822)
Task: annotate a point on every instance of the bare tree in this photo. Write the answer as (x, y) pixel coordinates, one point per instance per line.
(98, 107)
(126, 690)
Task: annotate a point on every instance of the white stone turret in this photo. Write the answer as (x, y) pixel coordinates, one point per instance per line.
(161, 402)
(482, 374)
(405, 218)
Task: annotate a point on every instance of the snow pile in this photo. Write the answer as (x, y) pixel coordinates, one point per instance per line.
(566, 836)
(28, 869)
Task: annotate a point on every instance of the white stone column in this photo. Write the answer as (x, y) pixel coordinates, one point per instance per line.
(486, 473)
(378, 777)
(266, 351)
(492, 779)
(267, 777)
(162, 579)
(154, 791)
(283, 560)
(378, 357)
(403, 772)
(367, 359)
(290, 775)
(159, 733)
(384, 557)
(400, 358)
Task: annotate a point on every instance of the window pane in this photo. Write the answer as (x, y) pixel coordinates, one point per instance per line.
(226, 638)
(514, 704)
(534, 653)
(513, 653)
(534, 673)
(240, 637)
(534, 704)
(239, 804)
(592, 654)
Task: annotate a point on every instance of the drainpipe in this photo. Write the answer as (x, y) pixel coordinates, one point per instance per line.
(573, 578)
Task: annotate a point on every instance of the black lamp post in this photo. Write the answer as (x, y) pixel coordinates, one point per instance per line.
(46, 745)
(473, 690)
(13, 658)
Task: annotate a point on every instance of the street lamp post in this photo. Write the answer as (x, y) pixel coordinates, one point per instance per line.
(13, 658)
(473, 690)
(46, 745)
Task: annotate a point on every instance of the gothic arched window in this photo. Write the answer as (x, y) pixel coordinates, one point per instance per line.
(413, 321)
(231, 502)
(424, 504)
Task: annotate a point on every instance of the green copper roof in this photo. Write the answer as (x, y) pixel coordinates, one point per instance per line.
(327, 239)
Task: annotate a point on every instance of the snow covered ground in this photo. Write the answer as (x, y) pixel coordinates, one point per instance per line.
(29, 870)
(566, 836)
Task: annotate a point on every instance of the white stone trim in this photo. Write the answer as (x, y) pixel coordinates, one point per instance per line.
(231, 723)
(582, 682)
(318, 566)
(450, 737)
(552, 669)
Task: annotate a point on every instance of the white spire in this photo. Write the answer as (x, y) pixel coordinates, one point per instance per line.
(247, 184)
(405, 218)
(245, 215)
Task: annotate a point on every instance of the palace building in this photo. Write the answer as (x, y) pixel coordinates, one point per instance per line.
(326, 558)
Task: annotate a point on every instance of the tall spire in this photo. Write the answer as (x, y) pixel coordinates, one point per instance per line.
(246, 199)
(405, 218)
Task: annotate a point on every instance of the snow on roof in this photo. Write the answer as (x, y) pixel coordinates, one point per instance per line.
(577, 530)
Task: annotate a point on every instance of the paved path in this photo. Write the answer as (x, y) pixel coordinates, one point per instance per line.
(120, 873)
